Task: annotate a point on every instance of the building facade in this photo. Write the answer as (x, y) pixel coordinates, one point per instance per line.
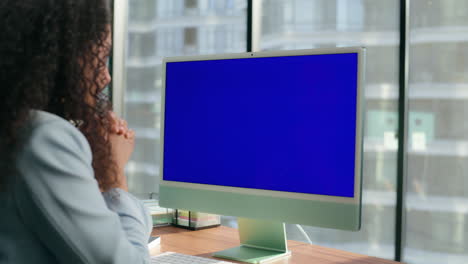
(437, 182)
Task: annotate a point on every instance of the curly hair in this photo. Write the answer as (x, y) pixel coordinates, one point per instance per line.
(46, 47)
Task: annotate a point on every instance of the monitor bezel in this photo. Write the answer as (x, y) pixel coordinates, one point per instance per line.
(356, 199)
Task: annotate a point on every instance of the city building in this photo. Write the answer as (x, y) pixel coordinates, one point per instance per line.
(437, 183)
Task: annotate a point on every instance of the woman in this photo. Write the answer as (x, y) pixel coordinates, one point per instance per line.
(63, 192)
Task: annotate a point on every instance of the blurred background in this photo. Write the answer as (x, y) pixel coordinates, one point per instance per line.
(436, 227)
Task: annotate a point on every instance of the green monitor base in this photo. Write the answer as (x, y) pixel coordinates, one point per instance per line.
(261, 241)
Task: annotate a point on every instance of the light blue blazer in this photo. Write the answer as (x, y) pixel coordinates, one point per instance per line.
(55, 213)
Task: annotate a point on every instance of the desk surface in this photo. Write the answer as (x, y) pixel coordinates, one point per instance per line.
(204, 242)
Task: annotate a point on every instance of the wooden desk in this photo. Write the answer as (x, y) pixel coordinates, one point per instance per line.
(204, 242)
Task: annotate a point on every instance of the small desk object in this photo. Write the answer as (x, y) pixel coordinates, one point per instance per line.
(204, 243)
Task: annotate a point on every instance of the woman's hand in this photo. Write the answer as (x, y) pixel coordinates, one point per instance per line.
(119, 126)
(122, 141)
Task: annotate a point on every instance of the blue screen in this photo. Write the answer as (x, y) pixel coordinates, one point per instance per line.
(277, 123)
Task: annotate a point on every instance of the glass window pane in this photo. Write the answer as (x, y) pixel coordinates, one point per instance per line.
(437, 195)
(306, 24)
(162, 28)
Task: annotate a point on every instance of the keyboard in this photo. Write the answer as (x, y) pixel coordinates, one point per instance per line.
(177, 258)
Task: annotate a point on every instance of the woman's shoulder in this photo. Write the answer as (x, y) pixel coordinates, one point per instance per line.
(47, 129)
(39, 118)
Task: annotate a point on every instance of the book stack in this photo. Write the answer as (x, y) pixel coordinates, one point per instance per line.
(161, 216)
(195, 220)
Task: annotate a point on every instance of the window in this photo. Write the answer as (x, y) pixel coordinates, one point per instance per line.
(160, 28)
(437, 184)
(437, 181)
(305, 24)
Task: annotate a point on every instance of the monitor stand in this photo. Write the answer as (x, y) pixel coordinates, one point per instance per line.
(261, 241)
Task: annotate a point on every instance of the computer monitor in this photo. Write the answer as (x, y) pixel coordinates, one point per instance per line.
(270, 137)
